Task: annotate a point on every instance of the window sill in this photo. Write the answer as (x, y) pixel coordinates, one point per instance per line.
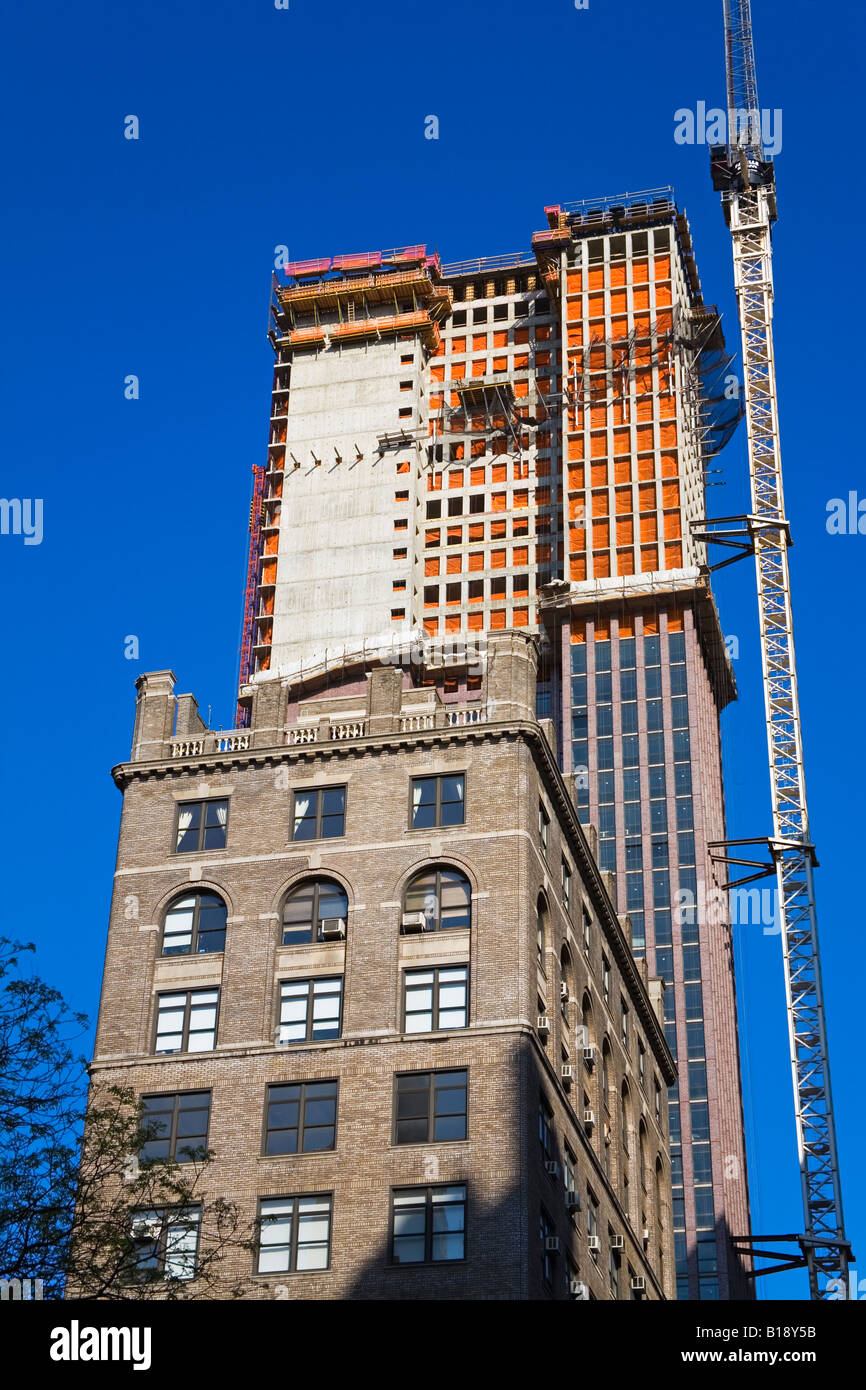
(278, 1158)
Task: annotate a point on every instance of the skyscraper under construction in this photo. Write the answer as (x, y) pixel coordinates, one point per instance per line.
(520, 443)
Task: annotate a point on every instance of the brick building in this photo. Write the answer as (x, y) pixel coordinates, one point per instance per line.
(362, 948)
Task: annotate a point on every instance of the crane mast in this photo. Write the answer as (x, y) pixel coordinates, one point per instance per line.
(747, 183)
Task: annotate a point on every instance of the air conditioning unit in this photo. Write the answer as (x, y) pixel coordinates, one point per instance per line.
(646, 1237)
(593, 1242)
(589, 1057)
(146, 1227)
(563, 992)
(552, 1168)
(572, 1200)
(638, 1284)
(567, 1075)
(333, 928)
(414, 921)
(578, 1290)
(617, 1242)
(551, 1244)
(543, 1025)
(589, 1118)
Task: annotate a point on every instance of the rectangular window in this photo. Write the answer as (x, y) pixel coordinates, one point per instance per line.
(436, 999)
(294, 1234)
(165, 1241)
(545, 1231)
(428, 1224)
(543, 827)
(641, 1063)
(437, 801)
(624, 1023)
(301, 1118)
(545, 1130)
(201, 825)
(605, 979)
(310, 1010)
(319, 814)
(592, 1217)
(187, 1021)
(175, 1126)
(587, 931)
(566, 885)
(430, 1106)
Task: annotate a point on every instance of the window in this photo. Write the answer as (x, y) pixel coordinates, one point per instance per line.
(194, 925)
(310, 905)
(294, 1234)
(201, 825)
(587, 931)
(165, 1241)
(443, 895)
(301, 1118)
(476, 503)
(545, 1130)
(428, 1224)
(641, 1062)
(175, 1126)
(624, 1022)
(437, 801)
(613, 1271)
(187, 1021)
(310, 1010)
(319, 814)
(605, 979)
(436, 999)
(540, 930)
(548, 1259)
(543, 827)
(592, 1217)
(566, 886)
(657, 1100)
(569, 1178)
(430, 1106)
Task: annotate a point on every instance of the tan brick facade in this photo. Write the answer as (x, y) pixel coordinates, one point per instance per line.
(512, 1065)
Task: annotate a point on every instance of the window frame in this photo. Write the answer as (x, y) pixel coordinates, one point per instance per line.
(184, 1049)
(436, 971)
(567, 884)
(311, 981)
(301, 1126)
(428, 1189)
(438, 869)
(201, 802)
(165, 1213)
(295, 1198)
(197, 894)
(438, 778)
(317, 880)
(431, 1072)
(543, 828)
(173, 1155)
(319, 794)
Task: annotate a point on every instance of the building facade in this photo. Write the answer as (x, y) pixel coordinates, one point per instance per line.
(521, 443)
(362, 950)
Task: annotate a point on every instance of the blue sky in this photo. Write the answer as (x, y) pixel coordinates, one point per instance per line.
(260, 127)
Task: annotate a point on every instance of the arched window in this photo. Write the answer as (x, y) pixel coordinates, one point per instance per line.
(642, 1155)
(605, 1075)
(443, 895)
(623, 1116)
(313, 910)
(588, 1039)
(566, 985)
(195, 923)
(660, 1216)
(541, 928)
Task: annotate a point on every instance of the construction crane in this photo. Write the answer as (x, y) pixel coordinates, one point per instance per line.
(746, 181)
